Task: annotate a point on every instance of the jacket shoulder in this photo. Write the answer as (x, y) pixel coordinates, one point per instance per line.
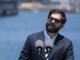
(36, 34)
(67, 40)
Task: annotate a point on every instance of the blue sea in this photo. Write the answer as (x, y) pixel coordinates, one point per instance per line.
(15, 29)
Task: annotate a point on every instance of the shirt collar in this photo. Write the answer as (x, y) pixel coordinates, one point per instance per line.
(47, 37)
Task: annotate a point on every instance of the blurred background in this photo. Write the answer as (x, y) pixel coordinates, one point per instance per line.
(20, 18)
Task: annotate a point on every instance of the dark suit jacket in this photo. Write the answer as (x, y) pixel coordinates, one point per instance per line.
(62, 49)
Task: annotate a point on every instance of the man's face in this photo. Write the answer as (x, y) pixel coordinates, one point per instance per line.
(53, 24)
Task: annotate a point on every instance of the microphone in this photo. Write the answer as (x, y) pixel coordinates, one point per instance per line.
(39, 46)
(48, 46)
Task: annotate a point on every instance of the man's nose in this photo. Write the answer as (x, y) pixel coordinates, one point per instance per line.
(53, 21)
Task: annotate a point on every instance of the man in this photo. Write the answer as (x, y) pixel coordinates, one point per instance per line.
(62, 46)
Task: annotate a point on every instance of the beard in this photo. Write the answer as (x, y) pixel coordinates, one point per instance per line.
(50, 27)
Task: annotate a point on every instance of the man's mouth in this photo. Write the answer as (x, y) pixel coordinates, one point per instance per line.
(51, 25)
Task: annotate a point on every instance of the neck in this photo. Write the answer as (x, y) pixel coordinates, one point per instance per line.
(51, 34)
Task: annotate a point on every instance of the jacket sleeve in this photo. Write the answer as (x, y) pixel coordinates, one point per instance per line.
(69, 55)
(25, 53)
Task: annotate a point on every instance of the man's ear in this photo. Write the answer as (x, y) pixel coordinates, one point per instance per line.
(46, 19)
(62, 25)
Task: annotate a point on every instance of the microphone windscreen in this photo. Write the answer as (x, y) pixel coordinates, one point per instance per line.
(48, 44)
(39, 44)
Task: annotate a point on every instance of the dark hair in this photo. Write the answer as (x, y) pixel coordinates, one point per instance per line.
(60, 12)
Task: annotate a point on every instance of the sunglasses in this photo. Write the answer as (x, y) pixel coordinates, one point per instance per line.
(56, 20)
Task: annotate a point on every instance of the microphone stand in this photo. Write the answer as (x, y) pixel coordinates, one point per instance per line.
(46, 54)
(41, 54)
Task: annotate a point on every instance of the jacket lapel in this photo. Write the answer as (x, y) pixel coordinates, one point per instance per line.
(53, 52)
(55, 46)
(41, 36)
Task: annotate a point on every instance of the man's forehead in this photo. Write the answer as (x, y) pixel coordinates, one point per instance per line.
(56, 15)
